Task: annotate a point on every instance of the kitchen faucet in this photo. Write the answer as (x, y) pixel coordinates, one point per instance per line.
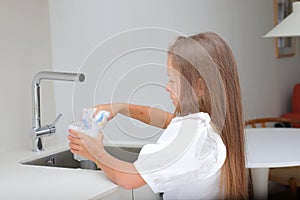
(48, 129)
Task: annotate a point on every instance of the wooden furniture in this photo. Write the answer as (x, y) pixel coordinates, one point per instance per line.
(295, 111)
(262, 122)
(269, 148)
(285, 175)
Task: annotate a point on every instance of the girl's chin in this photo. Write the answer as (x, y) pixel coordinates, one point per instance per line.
(174, 103)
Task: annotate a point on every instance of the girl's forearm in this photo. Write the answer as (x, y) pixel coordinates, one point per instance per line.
(120, 172)
(149, 115)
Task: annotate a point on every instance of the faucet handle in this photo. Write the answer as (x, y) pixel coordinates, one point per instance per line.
(48, 129)
(57, 119)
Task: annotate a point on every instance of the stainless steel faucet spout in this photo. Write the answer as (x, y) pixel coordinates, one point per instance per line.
(59, 76)
(38, 129)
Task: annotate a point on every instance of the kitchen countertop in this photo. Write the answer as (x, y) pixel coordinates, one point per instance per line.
(18, 181)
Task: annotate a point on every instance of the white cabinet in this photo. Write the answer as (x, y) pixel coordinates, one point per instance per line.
(145, 193)
(121, 193)
(142, 193)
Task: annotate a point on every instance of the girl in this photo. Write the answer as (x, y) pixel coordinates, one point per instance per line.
(200, 155)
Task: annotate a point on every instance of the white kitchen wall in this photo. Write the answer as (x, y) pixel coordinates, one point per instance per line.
(93, 36)
(24, 50)
(77, 27)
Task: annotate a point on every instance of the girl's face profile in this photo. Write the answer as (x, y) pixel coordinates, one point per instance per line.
(173, 84)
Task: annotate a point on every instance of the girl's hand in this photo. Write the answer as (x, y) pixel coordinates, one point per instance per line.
(113, 109)
(86, 146)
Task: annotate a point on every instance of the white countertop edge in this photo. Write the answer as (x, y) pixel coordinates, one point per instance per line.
(44, 154)
(274, 165)
(104, 194)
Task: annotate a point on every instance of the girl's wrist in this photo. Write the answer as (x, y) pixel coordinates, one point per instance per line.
(99, 158)
(101, 154)
(119, 108)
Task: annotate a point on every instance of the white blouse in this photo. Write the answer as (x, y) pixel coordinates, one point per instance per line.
(186, 161)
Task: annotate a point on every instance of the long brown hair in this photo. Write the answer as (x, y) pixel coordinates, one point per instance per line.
(206, 62)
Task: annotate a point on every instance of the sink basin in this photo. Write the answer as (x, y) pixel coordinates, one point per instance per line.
(65, 159)
(61, 159)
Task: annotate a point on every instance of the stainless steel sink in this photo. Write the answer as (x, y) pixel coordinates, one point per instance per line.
(65, 159)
